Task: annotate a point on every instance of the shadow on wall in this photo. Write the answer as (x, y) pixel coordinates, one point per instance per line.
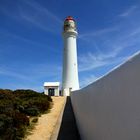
(68, 129)
(109, 109)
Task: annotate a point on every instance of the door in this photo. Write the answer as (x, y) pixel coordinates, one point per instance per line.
(51, 91)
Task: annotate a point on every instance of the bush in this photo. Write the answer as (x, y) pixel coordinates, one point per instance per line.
(20, 119)
(2, 127)
(16, 107)
(20, 132)
(32, 111)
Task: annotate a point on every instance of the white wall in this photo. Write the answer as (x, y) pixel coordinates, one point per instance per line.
(109, 109)
(56, 90)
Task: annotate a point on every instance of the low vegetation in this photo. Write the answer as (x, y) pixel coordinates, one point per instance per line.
(17, 109)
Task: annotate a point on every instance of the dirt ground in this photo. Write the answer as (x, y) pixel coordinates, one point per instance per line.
(46, 123)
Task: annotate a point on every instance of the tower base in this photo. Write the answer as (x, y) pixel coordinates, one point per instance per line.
(66, 92)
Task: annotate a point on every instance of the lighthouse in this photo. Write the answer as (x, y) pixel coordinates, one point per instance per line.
(70, 80)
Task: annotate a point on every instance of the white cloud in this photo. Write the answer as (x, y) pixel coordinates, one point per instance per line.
(30, 77)
(129, 11)
(32, 73)
(113, 46)
(94, 33)
(135, 32)
(110, 45)
(13, 74)
(39, 16)
(87, 80)
(5, 32)
(34, 14)
(91, 60)
(44, 10)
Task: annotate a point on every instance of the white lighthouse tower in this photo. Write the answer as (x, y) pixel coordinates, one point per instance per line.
(70, 81)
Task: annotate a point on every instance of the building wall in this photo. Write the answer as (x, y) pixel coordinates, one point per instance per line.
(109, 109)
(46, 90)
(56, 90)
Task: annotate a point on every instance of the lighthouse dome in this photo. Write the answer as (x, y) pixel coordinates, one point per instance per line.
(69, 24)
(69, 18)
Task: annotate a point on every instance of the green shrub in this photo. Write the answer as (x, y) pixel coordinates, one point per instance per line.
(32, 111)
(20, 119)
(2, 127)
(20, 132)
(16, 107)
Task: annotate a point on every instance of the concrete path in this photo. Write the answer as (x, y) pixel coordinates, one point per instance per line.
(68, 128)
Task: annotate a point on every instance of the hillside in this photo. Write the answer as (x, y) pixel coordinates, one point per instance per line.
(16, 110)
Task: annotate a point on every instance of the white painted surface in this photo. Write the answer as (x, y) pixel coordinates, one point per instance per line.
(70, 79)
(109, 109)
(51, 84)
(54, 85)
(56, 90)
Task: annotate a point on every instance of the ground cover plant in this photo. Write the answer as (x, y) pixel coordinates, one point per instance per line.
(17, 109)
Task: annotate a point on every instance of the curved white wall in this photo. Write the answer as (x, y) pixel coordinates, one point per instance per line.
(109, 109)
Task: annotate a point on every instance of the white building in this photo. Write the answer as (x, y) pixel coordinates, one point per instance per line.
(70, 81)
(51, 88)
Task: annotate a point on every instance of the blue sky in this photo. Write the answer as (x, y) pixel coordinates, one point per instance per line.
(31, 45)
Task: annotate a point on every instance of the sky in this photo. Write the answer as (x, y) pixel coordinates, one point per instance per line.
(31, 43)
